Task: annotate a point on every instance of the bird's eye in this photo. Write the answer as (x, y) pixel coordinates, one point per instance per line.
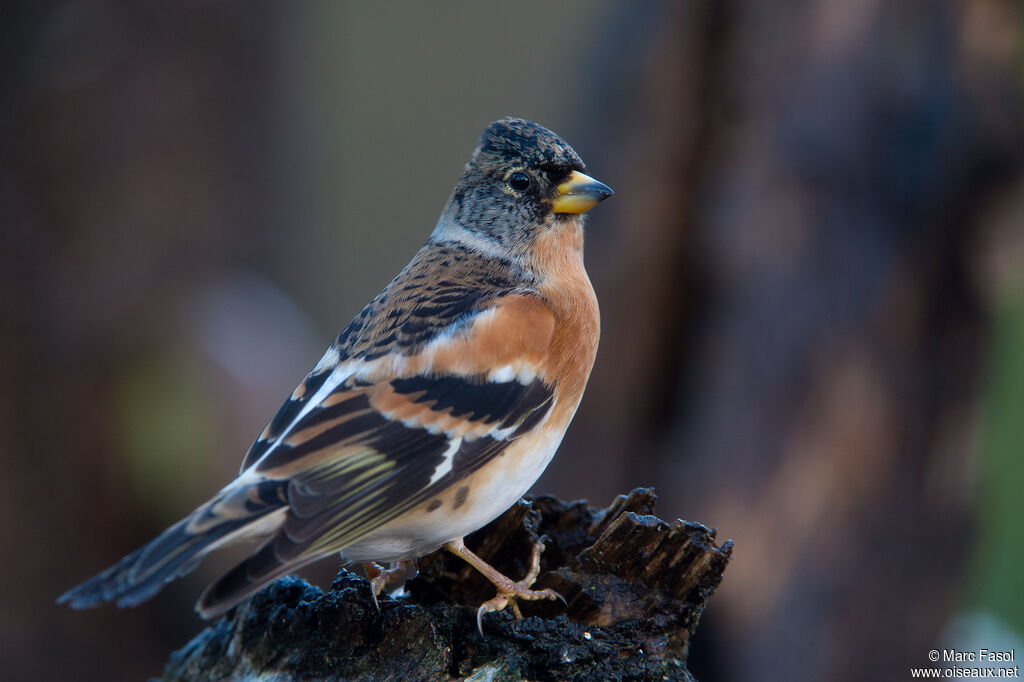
(519, 181)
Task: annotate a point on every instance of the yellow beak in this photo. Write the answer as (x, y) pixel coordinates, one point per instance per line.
(579, 194)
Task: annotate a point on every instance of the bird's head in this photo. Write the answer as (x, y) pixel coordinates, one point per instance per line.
(521, 179)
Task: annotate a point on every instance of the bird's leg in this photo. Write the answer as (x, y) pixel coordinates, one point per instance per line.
(379, 576)
(508, 590)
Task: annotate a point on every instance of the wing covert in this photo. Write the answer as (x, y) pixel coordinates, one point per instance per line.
(375, 444)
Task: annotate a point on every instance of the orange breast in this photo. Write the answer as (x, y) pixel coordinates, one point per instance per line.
(558, 256)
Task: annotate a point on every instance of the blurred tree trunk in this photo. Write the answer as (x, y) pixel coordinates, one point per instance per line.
(792, 329)
(114, 201)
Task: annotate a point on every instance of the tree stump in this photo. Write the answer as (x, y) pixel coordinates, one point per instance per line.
(635, 587)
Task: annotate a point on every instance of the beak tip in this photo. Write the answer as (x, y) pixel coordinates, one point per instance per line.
(601, 193)
(598, 189)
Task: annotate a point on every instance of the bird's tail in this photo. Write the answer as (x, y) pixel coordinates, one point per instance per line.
(238, 511)
(277, 557)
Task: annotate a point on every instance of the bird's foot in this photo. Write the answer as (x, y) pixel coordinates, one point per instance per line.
(379, 576)
(509, 591)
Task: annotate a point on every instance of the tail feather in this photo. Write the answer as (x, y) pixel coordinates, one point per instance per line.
(276, 558)
(233, 514)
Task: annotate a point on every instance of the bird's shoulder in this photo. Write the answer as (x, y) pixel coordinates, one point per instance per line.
(442, 289)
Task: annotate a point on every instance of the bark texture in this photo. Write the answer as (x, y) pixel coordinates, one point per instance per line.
(635, 587)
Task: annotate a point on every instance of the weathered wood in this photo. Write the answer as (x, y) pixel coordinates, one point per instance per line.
(635, 587)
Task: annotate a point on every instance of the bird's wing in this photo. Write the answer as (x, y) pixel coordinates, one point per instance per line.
(441, 294)
(378, 437)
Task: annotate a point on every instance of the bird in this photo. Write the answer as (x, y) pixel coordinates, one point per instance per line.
(433, 411)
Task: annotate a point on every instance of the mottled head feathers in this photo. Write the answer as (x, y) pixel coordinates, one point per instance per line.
(515, 140)
(504, 195)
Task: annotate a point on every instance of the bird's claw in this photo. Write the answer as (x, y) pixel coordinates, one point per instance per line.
(376, 587)
(379, 577)
(510, 592)
(510, 598)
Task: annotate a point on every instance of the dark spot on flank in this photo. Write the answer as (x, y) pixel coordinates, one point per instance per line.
(460, 496)
(434, 504)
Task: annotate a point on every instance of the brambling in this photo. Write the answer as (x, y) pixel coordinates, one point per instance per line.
(433, 411)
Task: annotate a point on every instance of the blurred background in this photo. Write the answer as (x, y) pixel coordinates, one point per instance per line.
(810, 276)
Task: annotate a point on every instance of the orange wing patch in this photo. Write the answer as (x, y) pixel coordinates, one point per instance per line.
(515, 333)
